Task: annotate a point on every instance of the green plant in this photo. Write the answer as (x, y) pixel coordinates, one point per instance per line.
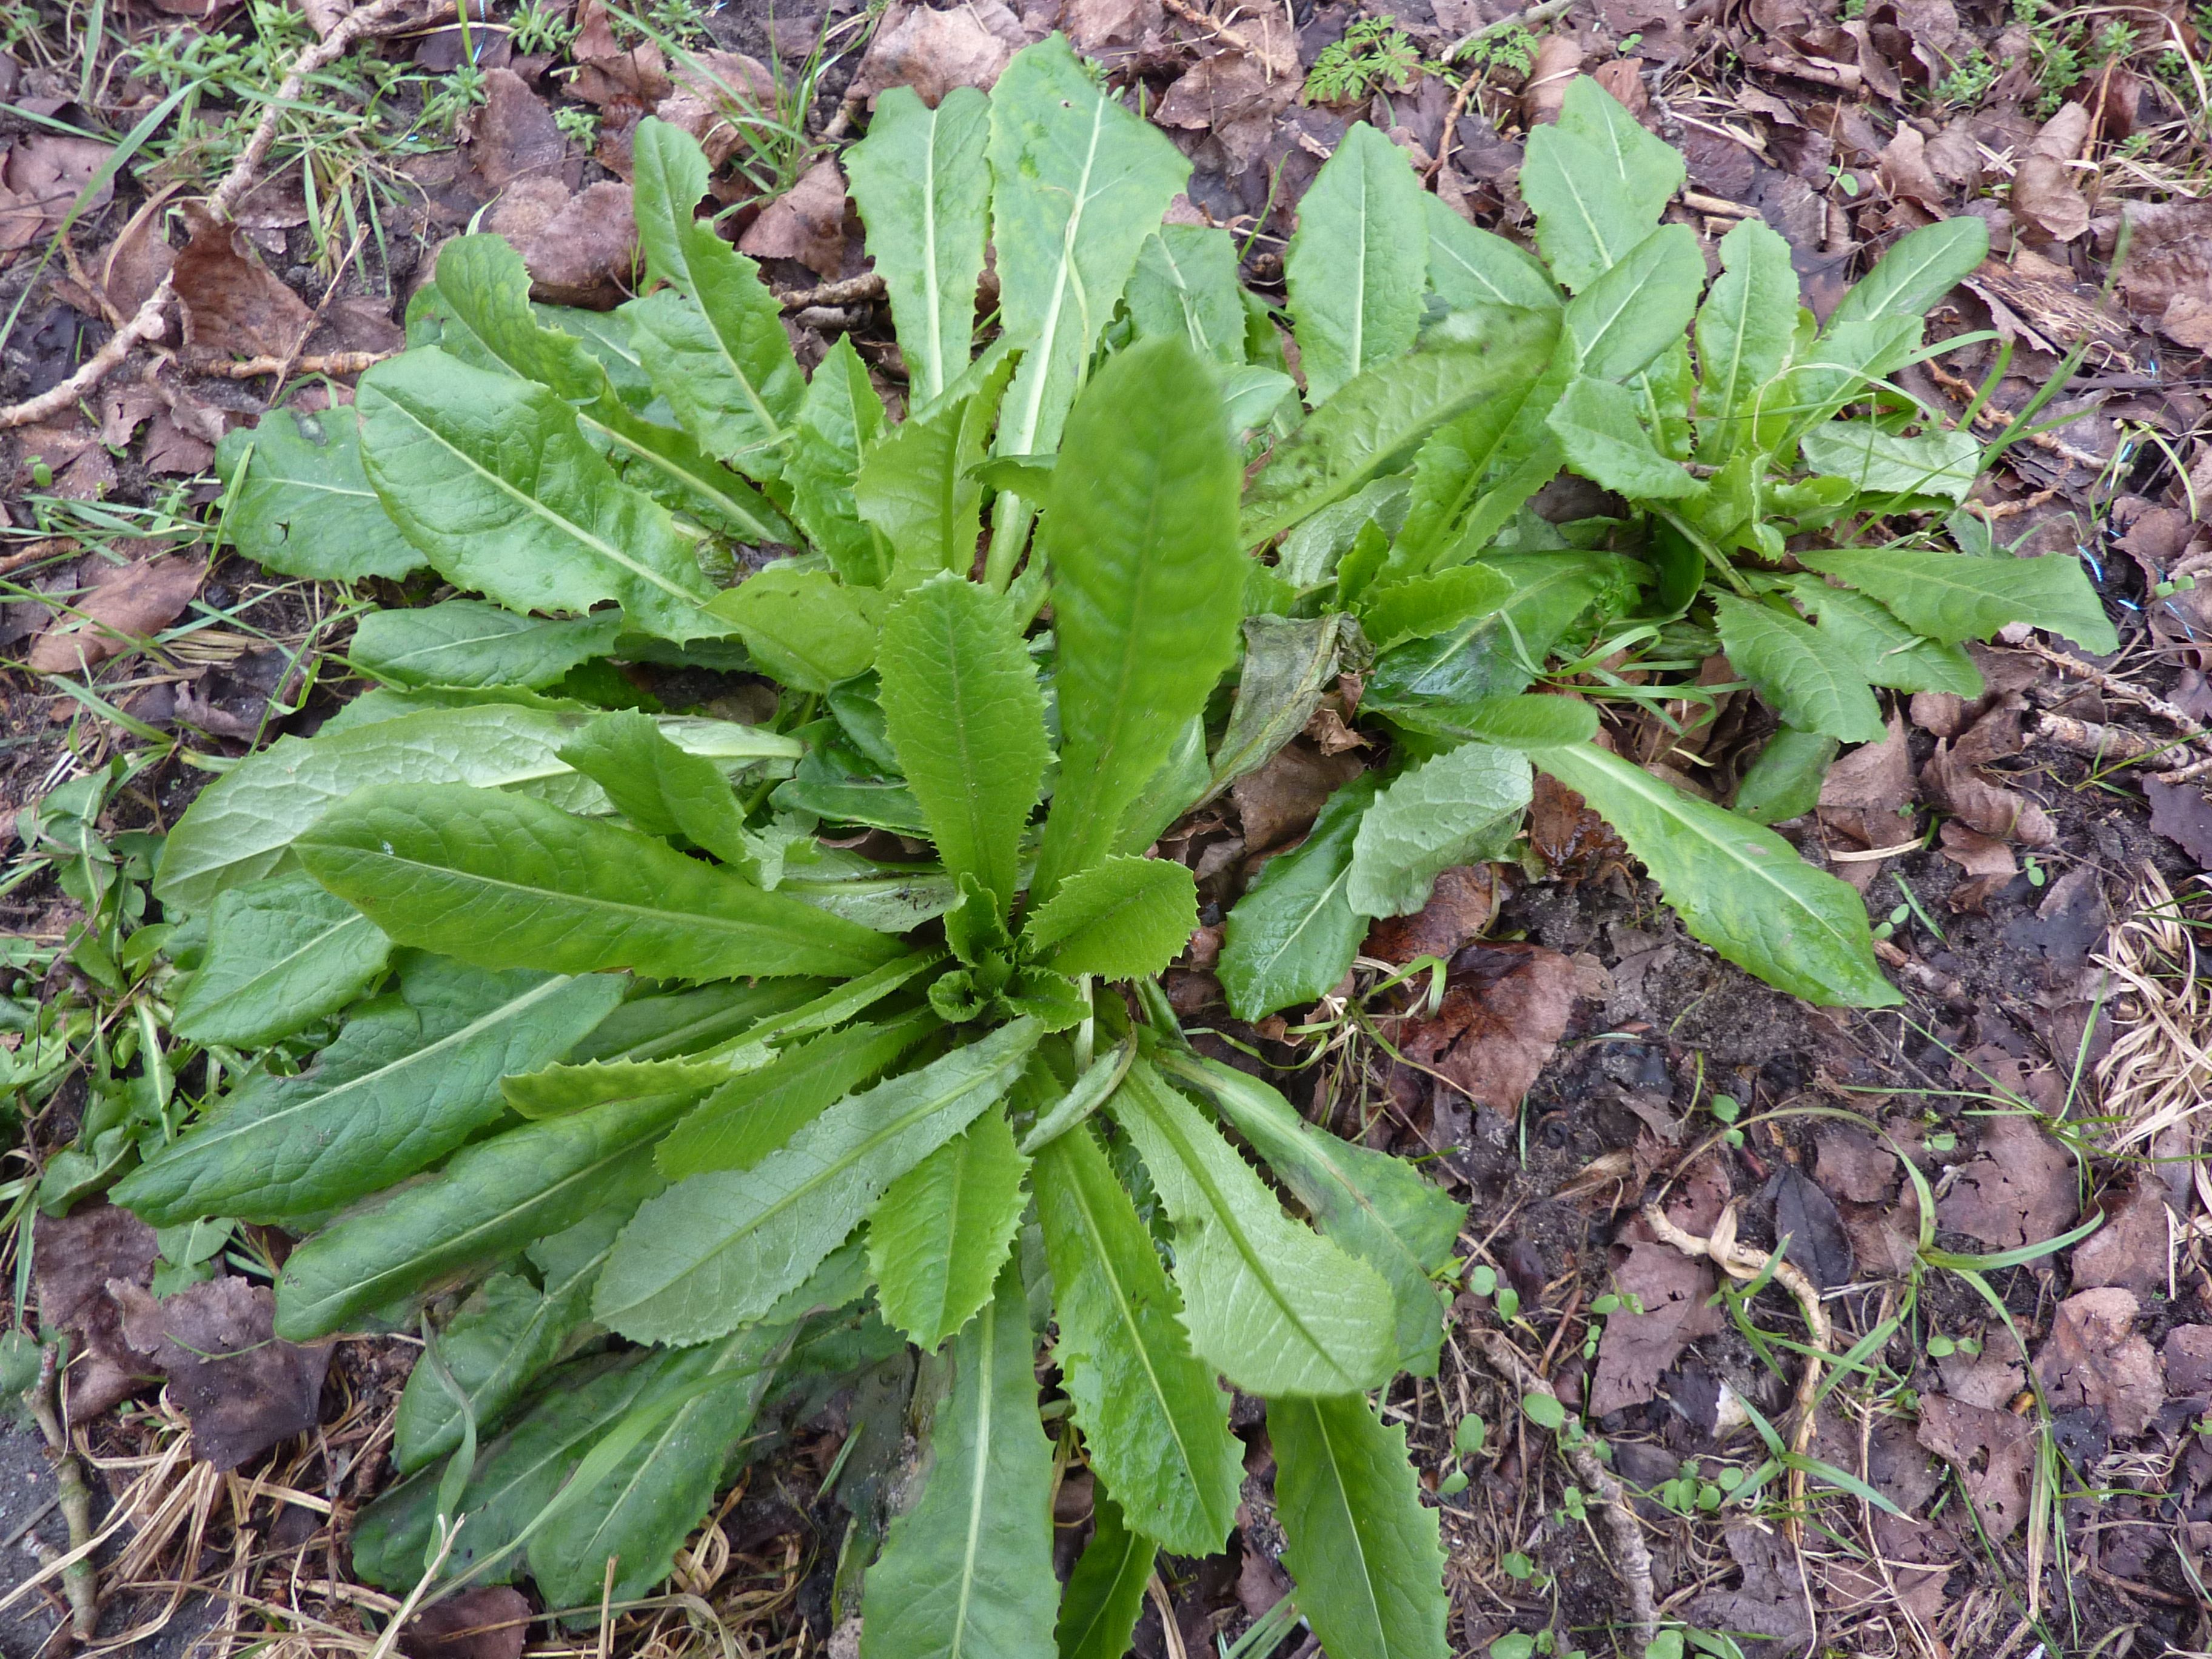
(1779, 495)
(1971, 74)
(1373, 55)
(602, 1029)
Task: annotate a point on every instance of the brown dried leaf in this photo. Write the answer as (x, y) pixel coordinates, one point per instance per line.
(580, 250)
(2094, 1358)
(2181, 813)
(1992, 1451)
(512, 135)
(1771, 1602)
(1093, 25)
(2019, 1191)
(1990, 1379)
(805, 223)
(2043, 195)
(1855, 1164)
(1505, 1010)
(232, 303)
(1636, 1348)
(1983, 804)
(2133, 1248)
(1460, 907)
(243, 1389)
(1235, 95)
(1559, 60)
(83, 469)
(139, 257)
(126, 603)
(41, 179)
(1282, 799)
(933, 51)
(1575, 843)
(488, 1622)
(75, 1257)
(1906, 172)
(2188, 1354)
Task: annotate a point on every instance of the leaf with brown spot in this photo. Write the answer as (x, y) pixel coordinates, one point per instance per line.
(234, 305)
(126, 603)
(1505, 1010)
(805, 223)
(1992, 1451)
(242, 1389)
(2019, 1191)
(1636, 1348)
(2093, 1358)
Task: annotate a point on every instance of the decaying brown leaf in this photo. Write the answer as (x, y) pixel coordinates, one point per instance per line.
(805, 223)
(1854, 1164)
(1505, 1009)
(243, 1389)
(2093, 1358)
(41, 179)
(1575, 844)
(1236, 96)
(580, 250)
(1636, 1348)
(1460, 907)
(1992, 1451)
(75, 1258)
(1983, 806)
(2133, 1248)
(2181, 813)
(1282, 799)
(933, 51)
(488, 1622)
(125, 604)
(234, 305)
(2019, 1191)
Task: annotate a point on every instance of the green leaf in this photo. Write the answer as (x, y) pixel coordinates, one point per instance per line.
(1624, 319)
(403, 1083)
(960, 699)
(553, 1091)
(967, 1572)
(491, 478)
(1527, 723)
(661, 788)
(923, 186)
(1312, 552)
(806, 627)
(1470, 267)
(1596, 425)
(1950, 597)
(1497, 655)
(1290, 665)
(1294, 933)
(1271, 1305)
(1434, 604)
(840, 419)
(1448, 472)
(1598, 183)
(938, 1238)
(1179, 784)
(1785, 779)
(503, 880)
(712, 340)
(756, 1112)
(1885, 650)
(1799, 671)
(1360, 1546)
(1379, 1207)
(1939, 464)
(1357, 263)
(660, 1024)
(468, 642)
(302, 505)
(1372, 418)
(718, 1249)
(488, 1201)
(1106, 1592)
(281, 954)
(1155, 1423)
(1147, 585)
(1739, 886)
(1744, 330)
(919, 486)
(1463, 805)
(641, 1510)
(1077, 184)
(242, 826)
(1920, 268)
(1123, 918)
(1185, 284)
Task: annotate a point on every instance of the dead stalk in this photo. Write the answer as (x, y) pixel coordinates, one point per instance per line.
(80, 1578)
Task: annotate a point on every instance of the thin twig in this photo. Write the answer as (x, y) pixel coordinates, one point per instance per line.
(79, 1579)
(868, 285)
(326, 362)
(2173, 713)
(1634, 1565)
(147, 324)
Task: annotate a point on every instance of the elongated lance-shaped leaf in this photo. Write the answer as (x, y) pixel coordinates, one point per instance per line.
(1459, 806)
(1346, 442)
(1920, 268)
(923, 186)
(1469, 266)
(1147, 586)
(1449, 471)
(490, 1201)
(1273, 1306)
(717, 1249)
(1641, 305)
(1186, 284)
(661, 788)
(664, 1024)
(1598, 183)
(1076, 184)
(1295, 932)
(1154, 1422)
(1361, 1546)
(557, 1090)
(1123, 918)
(938, 1238)
(713, 341)
(967, 1572)
(1950, 597)
(504, 881)
(1878, 463)
(1357, 263)
(469, 642)
(1804, 673)
(918, 486)
(490, 477)
(1745, 329)
(280, 954)
(302, 505)
(1885, 650)
(960, 699)
(1433, 604)
(1379, 1207)
(840, 419)
(1106, 1592)
(1786, 778)
(1599, 431)
(403, 1083)
(1739, 886)
(752, 1115)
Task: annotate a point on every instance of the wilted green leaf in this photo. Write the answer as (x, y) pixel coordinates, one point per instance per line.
(1289, 663)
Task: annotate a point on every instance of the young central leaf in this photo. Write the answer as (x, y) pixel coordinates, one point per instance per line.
(960, 698)
(1147, 585)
